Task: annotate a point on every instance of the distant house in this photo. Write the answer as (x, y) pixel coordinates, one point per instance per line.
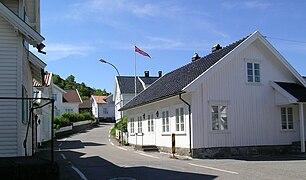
(19, 28)
(241, 99)
(124, 89)
(71, 101)
(47, 90)
(103, 107)
(85, 106)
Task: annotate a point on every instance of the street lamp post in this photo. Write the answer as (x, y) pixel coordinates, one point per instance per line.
(106, 62)
(103, 61)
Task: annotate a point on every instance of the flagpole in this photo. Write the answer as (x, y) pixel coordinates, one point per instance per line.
(135, 69)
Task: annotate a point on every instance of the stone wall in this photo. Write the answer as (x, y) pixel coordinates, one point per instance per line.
(228, 152)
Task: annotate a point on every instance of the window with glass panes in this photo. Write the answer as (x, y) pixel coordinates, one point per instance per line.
(179, 119)
(253, 72)
(139, 120)
(150, 123)
(287, 117)
(219, 117)
(165, 121)
(132, 125)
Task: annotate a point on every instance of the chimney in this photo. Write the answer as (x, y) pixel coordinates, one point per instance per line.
(195, 57)
(160, 73)
(216, 47)
(146, 74)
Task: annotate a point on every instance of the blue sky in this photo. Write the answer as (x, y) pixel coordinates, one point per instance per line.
(80, 32)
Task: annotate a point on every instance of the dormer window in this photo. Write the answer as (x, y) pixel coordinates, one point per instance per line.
(253, 72)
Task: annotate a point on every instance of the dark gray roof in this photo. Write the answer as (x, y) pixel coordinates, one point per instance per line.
(172, 83)
(298, 91)
(127, 83)
(148, 80)
(304, 77)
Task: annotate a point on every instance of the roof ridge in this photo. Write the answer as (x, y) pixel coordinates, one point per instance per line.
(173, 82)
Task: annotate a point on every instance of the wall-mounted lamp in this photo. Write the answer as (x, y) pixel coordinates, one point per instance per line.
(157, 113)
(144, 116)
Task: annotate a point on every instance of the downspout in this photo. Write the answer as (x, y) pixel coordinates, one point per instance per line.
(189, 116)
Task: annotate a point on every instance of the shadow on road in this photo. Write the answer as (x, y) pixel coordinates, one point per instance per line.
(77, 144)
(98, 168)
(285, 157)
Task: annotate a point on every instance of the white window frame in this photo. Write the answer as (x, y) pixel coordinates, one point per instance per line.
(178, 119)
(139, 124)
(287, 118)
(132, 125)
(150, 121)
(253, 62)
(69, 110)
(164, 121)
(219, 104)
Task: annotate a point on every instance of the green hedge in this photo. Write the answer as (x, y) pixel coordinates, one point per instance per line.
(68, 118)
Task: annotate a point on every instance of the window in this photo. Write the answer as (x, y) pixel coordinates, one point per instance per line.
(139, 120)
(54, 96)
(165, 121)
(150, 123)
(219, 117)
(253, 72)
(69, 110)
(179, 119)
(105, 111)
(287, 117)
(132, 125)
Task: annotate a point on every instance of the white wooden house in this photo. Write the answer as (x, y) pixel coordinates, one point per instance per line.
(124, 89)
(19, 28)
(241, 99)
(103, 107)
(47, 90)
(71, 101)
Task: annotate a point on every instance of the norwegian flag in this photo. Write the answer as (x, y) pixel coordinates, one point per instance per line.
(141, 52)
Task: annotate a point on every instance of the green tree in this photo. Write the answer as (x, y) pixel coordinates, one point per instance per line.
(99, 92)
(70, 83)
(58, 81)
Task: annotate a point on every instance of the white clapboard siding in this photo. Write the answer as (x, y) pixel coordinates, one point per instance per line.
(157, 137)
(8, 86)
(253, 118)
(11, 4)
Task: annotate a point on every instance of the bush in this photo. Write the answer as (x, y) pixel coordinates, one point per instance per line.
(64, 121)
(122, 125)
(113, 132)
(71, 116)
(60, 122)
(81, 117)
(88, 116)
(56, 122)
(67, 118)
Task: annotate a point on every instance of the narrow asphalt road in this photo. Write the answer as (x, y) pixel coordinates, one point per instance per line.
(93, 154)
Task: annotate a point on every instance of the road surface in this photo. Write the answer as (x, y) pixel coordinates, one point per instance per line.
(93, 154)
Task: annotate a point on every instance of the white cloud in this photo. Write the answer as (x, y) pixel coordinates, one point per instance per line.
(256, 4)
(246, 4)
(57, 51)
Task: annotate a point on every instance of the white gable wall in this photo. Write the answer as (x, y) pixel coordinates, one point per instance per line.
(8, 88)
(252, 115)
(73, 106)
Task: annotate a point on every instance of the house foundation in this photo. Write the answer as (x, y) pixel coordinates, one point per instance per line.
(244, 151)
